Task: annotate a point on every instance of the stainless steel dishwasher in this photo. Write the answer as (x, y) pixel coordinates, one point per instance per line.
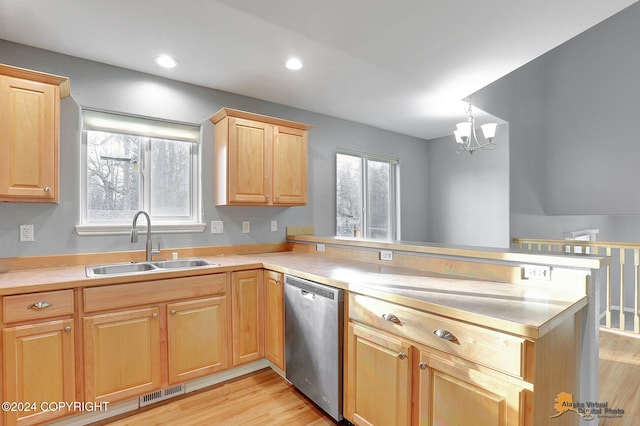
(313, 341)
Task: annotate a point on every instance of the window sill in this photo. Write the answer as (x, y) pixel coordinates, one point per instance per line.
(121, 229)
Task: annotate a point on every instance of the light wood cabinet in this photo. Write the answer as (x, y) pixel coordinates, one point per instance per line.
(39, 367)
(247, 312)
(152, 337)
(274, 318)
(122, 354)
(38, 358)
(198, 338)
(29, 134)
(452, 392)
(457, 373)
(259, 160)
(378, 380)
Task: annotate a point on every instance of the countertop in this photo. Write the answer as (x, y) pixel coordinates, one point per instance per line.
(527, 311)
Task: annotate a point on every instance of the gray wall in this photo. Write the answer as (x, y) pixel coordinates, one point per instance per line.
(574, 149)
(105, 87)
(469, 194)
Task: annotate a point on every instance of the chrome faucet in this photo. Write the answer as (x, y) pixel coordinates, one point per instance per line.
(150, 252)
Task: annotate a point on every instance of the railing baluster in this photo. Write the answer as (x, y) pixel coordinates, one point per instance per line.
(636, 308)
(608, 311)
(622, 255)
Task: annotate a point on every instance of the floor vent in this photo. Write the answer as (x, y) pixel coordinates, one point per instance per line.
(161, 395)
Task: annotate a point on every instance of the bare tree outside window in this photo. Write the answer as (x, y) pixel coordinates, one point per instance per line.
(127, 170)
(366, 196)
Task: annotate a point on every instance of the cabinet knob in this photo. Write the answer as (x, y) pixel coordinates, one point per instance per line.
(444, 334)
(391, 318)
(422, 365)
(67, 328)
(173, 312)
(402, 355)
(154, 315)
(40, 305)
(47, 189)
(266, 196)
(277, 197)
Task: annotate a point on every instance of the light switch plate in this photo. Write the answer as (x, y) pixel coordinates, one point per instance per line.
(274, 225)
(386, 255)
(246, 226)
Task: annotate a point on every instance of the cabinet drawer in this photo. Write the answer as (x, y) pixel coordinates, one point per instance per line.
(494, 349)
(26, 307)
(150, 292)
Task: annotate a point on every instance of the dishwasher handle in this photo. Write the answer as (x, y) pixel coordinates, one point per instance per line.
(308, 295)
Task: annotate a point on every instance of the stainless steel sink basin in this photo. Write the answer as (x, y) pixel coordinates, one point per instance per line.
(182, 263)
(135, 268)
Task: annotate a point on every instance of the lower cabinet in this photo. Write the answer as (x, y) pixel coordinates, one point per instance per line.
(274, 318)
(39, 368)
(197, 338)
(452, 393)
(405, 366)
(378, 382)
(142, 337)
(247, 312)
(122, 354)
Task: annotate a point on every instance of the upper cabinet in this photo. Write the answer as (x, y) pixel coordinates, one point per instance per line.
(259, 160)
(29, 134)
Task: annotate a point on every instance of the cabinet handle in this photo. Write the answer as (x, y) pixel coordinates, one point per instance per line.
(444, 334)
(391, 318)
(154, 315)
(402, 355)
(173, 312)
(67, 328)
(47, 189)
(40, 305)
(422, 365)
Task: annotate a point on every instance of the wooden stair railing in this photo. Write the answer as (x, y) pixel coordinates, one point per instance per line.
(623, 269)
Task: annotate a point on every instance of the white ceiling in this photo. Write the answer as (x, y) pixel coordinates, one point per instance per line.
(401, 65)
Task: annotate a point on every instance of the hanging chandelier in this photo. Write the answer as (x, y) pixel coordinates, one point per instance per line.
(466, 138)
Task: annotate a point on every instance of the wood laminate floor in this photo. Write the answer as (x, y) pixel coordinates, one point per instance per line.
(260, 398)
(265, 398)
(620, 376)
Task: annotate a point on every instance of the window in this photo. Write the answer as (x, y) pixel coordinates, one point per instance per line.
(133, 163)
(366, 196)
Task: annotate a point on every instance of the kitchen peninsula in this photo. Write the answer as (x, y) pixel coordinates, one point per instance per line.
(446, 325)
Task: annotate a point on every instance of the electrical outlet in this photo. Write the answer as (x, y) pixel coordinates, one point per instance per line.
(536, 272)
(217, 227)
(274, 225)
(26, 233)
(246, 226)
(386, 255)
(320, 248)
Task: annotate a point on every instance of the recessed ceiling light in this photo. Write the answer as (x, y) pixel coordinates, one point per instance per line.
(165, 61)
(293, 64)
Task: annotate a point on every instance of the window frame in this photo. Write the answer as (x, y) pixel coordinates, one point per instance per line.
(172, 131)
(394, 185)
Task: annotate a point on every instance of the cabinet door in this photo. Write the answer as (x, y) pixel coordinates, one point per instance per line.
(249, 163)
(378, 381)
(29, 113)
(451, 392)
(247, 316)
(197, 338)
(274, 318)
(39, 367)
(289, 166)
(122, 354)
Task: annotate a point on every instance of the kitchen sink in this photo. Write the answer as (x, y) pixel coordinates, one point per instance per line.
(183, 263)
(135, 268)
